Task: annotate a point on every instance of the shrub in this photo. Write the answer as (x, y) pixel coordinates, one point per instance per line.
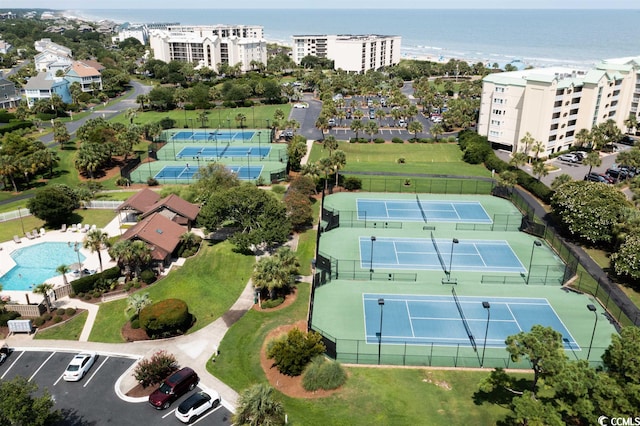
(153, 371)
(152, 181)
(400, 160)
(167, 123)
(397, 140)
(96, 294)
(87, 296)
(352, 183)
(148, 276)
(70, 312)
(57, 319)
(88, 283)
(60, 311)
(47, 316)
(136, 284)
(291, 353)
(167, 317)
(122, 181)
(7, 316)
(323, 374)
(38, 321)
(492, 162)
(135, 324)
(272, 303)
(477, 152)
(378, 140)
(278, 189)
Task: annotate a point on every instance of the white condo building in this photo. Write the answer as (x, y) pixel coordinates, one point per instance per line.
(353, 53)
(210, 45)
(554, 104)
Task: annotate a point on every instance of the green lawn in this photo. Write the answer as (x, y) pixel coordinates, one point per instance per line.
(68, 331)
(209, 283)
(92, 216)
(306, 250)
(216, 118)
(441, 158)
(384, 396)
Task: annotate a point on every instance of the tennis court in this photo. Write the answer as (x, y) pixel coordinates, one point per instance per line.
(188, 172)
(213, 135)
(208, 152)
(422, 210)
(469, 255)
(439, 320)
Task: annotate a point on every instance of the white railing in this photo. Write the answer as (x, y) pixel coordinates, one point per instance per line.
(15, 214)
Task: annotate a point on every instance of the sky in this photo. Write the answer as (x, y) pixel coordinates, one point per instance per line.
(323, 4)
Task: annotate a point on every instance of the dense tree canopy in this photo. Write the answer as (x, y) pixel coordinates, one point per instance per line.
(22, 403)
(589, 210)
(54, 204)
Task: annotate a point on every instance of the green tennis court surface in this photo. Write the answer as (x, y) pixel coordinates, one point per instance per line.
(433, 319)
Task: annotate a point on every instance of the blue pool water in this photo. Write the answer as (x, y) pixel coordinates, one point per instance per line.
(35, 264)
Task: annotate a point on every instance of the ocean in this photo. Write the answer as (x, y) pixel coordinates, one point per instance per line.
(574, 38)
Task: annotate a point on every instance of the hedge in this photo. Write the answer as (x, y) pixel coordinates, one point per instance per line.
(15, 125)
(165, 318)
(87, 283)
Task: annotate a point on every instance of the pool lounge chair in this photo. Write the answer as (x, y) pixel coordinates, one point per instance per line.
(74, 228)
(42, 232)
(16, 239)
(63, 228)
(85, 228)
(35, 233)
(29, 236)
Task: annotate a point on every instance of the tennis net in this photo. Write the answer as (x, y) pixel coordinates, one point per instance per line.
(464, 319)
(424, 216)
(444, 266)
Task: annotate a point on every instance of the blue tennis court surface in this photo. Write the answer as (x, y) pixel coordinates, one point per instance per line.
(421, 254)
(426, 319)
(222, 151)
(189, 172)
(419, 210)
(219, 135)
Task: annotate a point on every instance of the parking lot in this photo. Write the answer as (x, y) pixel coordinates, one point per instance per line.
(93, 400)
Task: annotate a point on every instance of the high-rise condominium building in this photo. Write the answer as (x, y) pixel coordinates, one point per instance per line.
(210, 45)
(353, 53)
(554, 104)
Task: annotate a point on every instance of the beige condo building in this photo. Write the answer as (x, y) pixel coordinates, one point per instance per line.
(554, 104)
(352, 53)
(210, 45)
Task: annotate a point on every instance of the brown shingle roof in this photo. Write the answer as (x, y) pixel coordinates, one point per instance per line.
(84, 70)
(141, 201)
(177, 205)
(160, 233)
(94, 64)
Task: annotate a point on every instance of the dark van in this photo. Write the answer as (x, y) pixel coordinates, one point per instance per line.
(173, 388)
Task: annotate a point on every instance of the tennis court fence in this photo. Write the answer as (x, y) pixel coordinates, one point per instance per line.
(350, 219)
(591, 279)
(539, 275)
(352, 351)
(428, 184)
(500, 222)
(351, 269)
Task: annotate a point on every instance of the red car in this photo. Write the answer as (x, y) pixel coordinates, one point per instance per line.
(174, 387)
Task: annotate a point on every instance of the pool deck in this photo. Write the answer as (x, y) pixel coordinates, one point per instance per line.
(91, 259)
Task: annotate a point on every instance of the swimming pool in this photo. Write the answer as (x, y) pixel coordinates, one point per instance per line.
(35, 264)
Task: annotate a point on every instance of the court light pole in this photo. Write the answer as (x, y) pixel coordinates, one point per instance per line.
(453, 243)
(593, 309)
(487, 306)
(259, 149)
(373, 239)
(536, 243)
(248, 165)
(381, 304)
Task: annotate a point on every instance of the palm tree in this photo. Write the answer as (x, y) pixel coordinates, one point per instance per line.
(44, 290)
(339, 160)
(592, 160)
(561, 180)
(436, 130)
(356, 126)
(256, 407)
(322, 124)
(330, 143)
(539, 169)
(371, 128)
(95, 240)
(537, 148)
(583, 138)
(415, 127)
(240, 118)
(527, 140)
(63, 270)
(518, 159)
(136, 302)
(631, 122)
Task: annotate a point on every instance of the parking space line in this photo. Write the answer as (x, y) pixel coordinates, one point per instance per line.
(94, 373)
(209, 412)
(42, 365)
(59, 378)
(169, 413)
(12, 364)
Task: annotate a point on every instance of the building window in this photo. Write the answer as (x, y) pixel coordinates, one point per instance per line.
(500, 89)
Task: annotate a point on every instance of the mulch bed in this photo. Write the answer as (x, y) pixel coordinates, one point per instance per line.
(290, 386)
(291, 297)
(132, 334)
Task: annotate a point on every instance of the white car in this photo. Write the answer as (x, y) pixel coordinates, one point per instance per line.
(569, 158)
(79, 366)
(300, 105)
(196, 405)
